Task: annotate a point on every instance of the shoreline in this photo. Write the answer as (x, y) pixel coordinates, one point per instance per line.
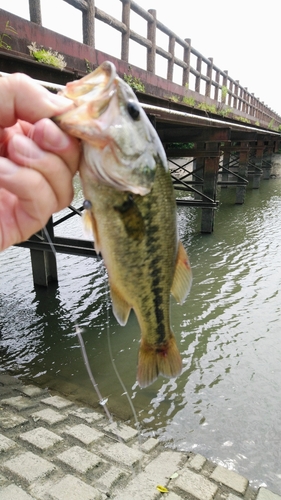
(52, 448)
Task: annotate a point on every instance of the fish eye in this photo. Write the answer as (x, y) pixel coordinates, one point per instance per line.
(133, 110)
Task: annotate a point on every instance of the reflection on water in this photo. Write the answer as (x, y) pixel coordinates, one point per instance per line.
(226, 404)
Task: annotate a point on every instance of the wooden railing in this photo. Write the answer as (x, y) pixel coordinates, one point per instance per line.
(203, 78)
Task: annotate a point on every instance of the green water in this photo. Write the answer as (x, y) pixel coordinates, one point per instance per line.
(226, 403)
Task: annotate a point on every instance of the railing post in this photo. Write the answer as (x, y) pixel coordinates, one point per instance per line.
(151, 35)
(198, 78)
(209, 75)
(245, 105)
(216, 96)
(186, 58)
(88, 18)
(170, 71)
(235, 97)
(230, 92)
(252, 105)
(224, 84)
(35, 11)
(126, 10)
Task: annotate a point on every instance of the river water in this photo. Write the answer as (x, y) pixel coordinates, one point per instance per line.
(226, 404)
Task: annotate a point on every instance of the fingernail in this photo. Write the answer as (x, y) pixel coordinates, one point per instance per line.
(61, 102)
(54, 138)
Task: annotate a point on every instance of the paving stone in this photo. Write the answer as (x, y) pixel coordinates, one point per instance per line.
(13, 492)
(84, 433)
(3, 480)
(109, 479)
(265, 494)
(158, 471)
(31, 390)
(6, 379)
(10, 420)
(164, 465)
(72, 488)
(87, 414)
(79, 459)
(145, 487)
(48, 416)
(196, 485)
(57, 401)
(232, 497)
(149, 445)
(122, 431)
(230, 479)
(197, 462)
(29, 467)
(172, 496)
(122, 454)
(41, 438)
(4, 390)
(19, 402)
(6, 443)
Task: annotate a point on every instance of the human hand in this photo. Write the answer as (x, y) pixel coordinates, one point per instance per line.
(37, 160)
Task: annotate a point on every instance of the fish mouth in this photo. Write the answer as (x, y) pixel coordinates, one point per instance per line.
(91, 96)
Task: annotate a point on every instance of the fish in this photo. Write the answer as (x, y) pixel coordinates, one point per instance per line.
(131, 209)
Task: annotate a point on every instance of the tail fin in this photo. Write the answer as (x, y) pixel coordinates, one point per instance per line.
(162, 360)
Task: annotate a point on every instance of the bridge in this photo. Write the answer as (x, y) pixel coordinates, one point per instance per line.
(215, 132)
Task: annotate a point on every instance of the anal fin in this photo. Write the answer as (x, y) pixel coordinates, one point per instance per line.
(183, 276)
(121, 308)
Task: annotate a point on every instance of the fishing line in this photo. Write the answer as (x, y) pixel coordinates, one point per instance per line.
(137, 423)
(49, 240)
(102, 400)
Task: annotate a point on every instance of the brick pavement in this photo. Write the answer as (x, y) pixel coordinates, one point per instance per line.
(54, 449)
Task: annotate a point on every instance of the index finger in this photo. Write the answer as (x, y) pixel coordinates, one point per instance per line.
(23, 98)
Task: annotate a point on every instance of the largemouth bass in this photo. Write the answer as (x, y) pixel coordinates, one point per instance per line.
(131, 208)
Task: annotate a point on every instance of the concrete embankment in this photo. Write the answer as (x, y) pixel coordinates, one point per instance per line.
(54, 449)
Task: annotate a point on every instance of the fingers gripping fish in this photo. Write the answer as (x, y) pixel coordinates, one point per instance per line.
(132, 212)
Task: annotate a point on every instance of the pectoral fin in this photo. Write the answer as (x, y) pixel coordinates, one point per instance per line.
(183, 276)
(90, 225)
(121, 308)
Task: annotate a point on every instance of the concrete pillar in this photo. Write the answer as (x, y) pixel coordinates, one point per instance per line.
(44, 264)
(243, 171)
(211, 167)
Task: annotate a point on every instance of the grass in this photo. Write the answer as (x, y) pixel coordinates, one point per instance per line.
(4, 35)
(135, 83)
(47, 56)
